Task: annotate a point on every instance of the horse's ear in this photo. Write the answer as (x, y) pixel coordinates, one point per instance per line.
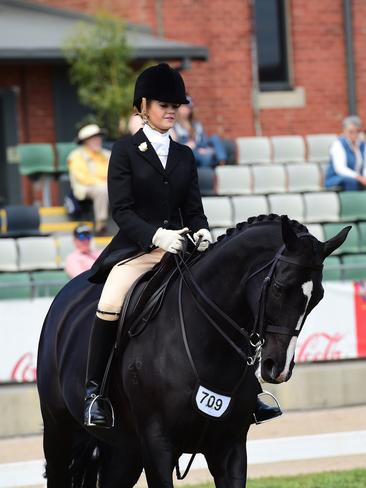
(289, 237)
(336, 241)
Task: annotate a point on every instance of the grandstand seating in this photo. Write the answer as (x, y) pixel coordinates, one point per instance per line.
(15, 285)
(248, 206)
(36, 159)
(37, 253)
(269, 178)
(353, 205)
(22, 220)
(291, 204)
(357, 267)
(253, 150)
(207, 181)
(332, 270)
(318, 146)
(278, 174)
(288, 149)
(304, 177)
(48, 283)
(8, 255)
(63, 149)
(218, 211)
(321, 207)
(232, 180)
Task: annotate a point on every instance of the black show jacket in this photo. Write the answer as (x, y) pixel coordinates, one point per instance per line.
(144, 196)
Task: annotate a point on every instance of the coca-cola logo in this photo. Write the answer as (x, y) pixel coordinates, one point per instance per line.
(320, 347)
(24, 369)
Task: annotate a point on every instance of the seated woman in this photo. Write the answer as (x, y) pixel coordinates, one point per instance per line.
(208, 151)
(346, 167)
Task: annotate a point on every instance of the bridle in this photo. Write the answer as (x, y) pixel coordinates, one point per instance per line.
(255, 339)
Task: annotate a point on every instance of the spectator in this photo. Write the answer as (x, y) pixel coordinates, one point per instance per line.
(83, 257)
(346, 167)
(88, 166)
(208, 151)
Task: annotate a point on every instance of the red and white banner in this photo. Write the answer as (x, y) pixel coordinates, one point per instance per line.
(335, 329)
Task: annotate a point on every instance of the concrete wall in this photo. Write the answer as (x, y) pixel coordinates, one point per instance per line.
(312, 386)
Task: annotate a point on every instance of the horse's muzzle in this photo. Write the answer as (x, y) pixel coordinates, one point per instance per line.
(271, 374)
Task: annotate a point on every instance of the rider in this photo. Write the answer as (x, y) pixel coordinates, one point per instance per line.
(155, 200)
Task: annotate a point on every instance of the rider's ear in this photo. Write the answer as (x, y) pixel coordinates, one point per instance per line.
(289, 237)
(336, 241)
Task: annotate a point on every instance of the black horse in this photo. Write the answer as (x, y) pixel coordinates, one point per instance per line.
(188, 382)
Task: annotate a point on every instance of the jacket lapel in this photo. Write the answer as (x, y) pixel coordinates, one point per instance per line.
(149, 155)
(174, 156)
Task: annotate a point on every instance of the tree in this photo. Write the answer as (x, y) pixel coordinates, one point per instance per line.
(100, 67)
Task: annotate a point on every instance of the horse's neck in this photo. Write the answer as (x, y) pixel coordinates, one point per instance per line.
(224, 271)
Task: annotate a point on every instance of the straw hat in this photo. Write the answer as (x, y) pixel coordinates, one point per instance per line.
(89, 131)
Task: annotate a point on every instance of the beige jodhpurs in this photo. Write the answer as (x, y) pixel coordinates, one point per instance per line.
(121, 278)
(99, 195)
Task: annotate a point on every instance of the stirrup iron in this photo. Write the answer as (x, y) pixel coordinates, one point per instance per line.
(267, 394)
(107, 407)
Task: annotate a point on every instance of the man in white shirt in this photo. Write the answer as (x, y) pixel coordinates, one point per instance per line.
(347, 158)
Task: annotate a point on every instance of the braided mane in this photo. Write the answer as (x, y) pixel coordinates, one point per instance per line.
(242, 226)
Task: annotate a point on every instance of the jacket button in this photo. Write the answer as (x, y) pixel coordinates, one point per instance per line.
(165, 182)
(166, 222)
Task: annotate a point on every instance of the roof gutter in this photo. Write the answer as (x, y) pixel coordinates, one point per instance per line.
(350, 60)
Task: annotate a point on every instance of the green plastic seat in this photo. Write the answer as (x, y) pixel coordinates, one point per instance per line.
(15, 285)
(36, 158)
(48, 283)
(353, 205)
(63, 149)
(358, 271)
(351, 244)
(332, 270)
(362, 233)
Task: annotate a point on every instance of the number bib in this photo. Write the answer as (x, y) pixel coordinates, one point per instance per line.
(211, 403)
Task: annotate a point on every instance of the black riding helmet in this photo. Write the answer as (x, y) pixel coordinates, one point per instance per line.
(160, 82)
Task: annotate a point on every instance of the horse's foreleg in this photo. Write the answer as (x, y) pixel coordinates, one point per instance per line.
(121, 466)
(228, 466)
(158, 458)
(57, 446)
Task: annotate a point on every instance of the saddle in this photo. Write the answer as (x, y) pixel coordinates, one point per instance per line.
(144, 299)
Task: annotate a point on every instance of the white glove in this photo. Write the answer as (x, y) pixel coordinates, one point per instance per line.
(169, 240)
(206, 239)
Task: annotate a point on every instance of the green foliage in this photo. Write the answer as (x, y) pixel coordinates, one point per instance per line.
(99, 59)
(343, 479)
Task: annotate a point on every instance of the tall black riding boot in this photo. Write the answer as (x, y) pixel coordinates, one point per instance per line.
(264, 412)
(98, 410)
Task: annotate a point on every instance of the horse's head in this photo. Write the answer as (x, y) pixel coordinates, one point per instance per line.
(294, 289)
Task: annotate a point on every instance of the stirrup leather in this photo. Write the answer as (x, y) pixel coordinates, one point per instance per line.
(107, 408)
(264, 394)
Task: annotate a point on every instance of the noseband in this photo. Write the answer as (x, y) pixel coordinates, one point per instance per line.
(260, 327)
(208, 308)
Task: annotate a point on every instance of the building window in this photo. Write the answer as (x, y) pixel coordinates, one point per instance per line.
(272, 45)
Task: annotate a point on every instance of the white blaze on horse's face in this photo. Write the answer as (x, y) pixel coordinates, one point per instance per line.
(307, 289)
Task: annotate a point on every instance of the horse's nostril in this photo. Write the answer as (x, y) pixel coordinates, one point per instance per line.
(268, 369)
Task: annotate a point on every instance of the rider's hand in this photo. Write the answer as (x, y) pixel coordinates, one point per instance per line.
(362, 180)
(169, 240)
(206, 239)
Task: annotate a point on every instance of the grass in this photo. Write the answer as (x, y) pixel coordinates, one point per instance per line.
(355, 478)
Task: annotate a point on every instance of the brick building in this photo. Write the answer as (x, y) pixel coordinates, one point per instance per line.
(254, 66)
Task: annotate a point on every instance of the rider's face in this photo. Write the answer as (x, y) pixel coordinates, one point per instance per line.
(162, 114)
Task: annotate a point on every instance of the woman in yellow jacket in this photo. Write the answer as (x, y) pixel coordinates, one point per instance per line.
(88, 167)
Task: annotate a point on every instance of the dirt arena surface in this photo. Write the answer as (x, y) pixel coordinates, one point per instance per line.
(290, 424)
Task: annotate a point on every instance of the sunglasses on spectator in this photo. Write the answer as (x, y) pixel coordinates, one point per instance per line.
(84, 236)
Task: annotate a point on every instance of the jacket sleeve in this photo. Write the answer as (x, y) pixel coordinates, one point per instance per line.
(192, 209)
(122, 201)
